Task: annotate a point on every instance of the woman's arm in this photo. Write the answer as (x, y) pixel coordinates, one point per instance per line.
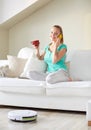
(57, 55)
(41, 57)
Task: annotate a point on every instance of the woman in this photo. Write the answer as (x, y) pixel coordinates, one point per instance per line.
(54, 55)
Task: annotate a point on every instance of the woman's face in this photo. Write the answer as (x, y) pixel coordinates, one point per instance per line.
(55, 32)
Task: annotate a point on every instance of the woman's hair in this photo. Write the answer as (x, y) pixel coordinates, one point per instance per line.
(61, 31)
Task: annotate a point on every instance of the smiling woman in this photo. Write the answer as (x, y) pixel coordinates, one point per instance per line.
(54, 56)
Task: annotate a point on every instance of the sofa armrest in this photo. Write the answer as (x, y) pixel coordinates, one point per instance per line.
(3, 62)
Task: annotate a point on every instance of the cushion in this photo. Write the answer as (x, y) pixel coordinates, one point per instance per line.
(69, 89)
(22, 86)
(69, 55)
(16, 66)
(4, 70)
(34, 64)
(25, 52)
(80, 65)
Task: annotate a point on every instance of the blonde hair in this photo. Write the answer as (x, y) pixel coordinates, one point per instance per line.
(61, 31)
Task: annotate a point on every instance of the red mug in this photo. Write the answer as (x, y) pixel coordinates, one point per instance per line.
(35, 42)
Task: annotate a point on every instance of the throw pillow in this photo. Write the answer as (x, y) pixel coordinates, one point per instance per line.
(25, 52)
(16, 66)
(3, 70)
(34, 64)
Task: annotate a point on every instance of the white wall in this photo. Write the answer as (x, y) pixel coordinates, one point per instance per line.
(9, 8)
(73, 15)
(4, 46)
(0, 10)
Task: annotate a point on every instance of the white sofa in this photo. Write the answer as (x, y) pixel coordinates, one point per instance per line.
(72, 95)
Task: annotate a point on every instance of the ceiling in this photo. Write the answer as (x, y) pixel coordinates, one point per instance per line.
(24, 13)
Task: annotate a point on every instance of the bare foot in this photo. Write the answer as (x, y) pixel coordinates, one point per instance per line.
(70, 79)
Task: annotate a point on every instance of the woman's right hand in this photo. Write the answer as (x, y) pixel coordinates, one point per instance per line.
(36, 47)
(35, 43)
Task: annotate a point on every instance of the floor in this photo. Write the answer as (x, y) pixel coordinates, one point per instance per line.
(46, 120)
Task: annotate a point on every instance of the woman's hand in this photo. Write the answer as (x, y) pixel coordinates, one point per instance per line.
(36, 47)
(35, 43)
(57, 43)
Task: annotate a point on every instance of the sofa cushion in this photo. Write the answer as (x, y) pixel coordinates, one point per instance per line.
(4, 71)
(3, 67)
(16, 66)
(34, 64)
(25, 52)
(80, 88)
(25, 86)
(80, 65)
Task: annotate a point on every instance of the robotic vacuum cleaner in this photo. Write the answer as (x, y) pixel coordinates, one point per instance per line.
(22, 115)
